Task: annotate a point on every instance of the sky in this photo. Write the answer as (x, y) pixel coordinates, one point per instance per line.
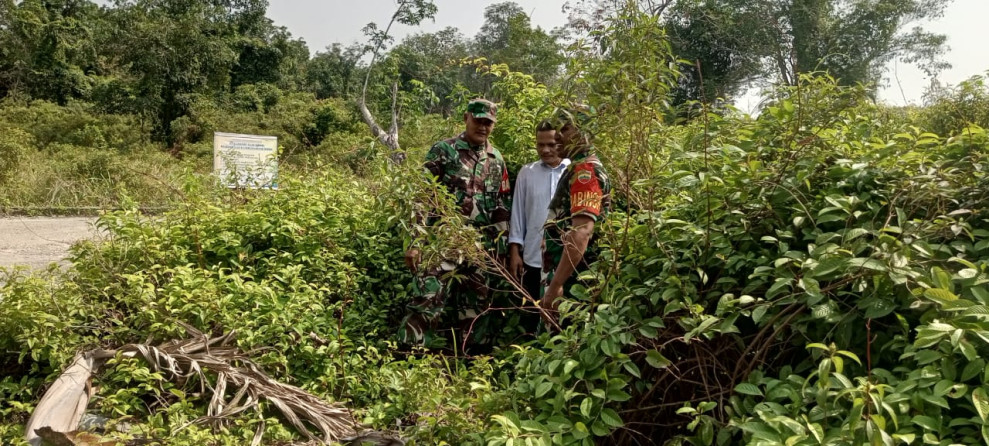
(323, 22)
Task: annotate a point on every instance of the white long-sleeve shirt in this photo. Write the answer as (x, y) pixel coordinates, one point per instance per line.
(534, 187)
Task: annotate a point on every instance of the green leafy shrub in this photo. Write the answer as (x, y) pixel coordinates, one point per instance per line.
(950, 111)
(812, 226)
(59, 157)
(310, 277)
(14, 148)
(299, 121)
(77, 124)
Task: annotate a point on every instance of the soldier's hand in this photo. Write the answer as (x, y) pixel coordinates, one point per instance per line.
(412, 259)
(548, 306)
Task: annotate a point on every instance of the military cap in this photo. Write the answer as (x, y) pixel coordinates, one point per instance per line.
(483, 109)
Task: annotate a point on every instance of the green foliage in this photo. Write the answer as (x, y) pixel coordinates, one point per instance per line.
(437, 397)
(298, 120)
(334, 72)
(48, 50)
(711, 34)
(431, 59)
(523, 106)
(736, 41)
(818, 224)
(951, 111)
(77, 124)
(66, 157)
(814, 275)
(13, 149)
(507, 37)
(185, 48)
(310, 277)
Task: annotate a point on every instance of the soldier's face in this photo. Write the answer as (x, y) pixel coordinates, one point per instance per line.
(478, 129)
(567, 137)
(546, 146)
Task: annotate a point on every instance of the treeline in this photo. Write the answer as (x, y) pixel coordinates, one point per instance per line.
(103, 101)
(95, 96)
(157, 58)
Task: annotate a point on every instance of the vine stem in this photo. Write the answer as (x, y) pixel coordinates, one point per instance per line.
(707, 166)
(868, 367)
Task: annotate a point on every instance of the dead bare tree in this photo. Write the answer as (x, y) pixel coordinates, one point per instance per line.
(409, 12)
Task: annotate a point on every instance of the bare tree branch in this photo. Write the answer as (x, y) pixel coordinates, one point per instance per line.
(409, 12)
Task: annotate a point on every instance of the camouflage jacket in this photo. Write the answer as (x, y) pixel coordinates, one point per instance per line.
(584, 189)
(477, 176)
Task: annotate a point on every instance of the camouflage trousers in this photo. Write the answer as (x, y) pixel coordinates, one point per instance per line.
(447, 300)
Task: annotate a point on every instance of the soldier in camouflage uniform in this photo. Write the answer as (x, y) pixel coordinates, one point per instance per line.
(582, 198)
(477, 176)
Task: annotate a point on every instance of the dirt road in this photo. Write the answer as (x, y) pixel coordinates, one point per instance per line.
(38, 241)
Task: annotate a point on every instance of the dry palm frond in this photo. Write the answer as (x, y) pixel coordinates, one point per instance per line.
(63, 404)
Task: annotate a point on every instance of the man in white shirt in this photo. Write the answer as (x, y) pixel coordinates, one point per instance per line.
(534, 187)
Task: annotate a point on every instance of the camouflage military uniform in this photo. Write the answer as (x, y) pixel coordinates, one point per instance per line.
(584, 189)
(477, 176)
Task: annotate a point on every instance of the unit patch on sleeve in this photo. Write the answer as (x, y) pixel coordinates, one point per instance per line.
(584, 176)
(585, 192)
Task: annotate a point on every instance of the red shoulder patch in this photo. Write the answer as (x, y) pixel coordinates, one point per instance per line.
(585, 191)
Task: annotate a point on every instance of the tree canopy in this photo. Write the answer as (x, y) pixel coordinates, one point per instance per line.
(738, 42)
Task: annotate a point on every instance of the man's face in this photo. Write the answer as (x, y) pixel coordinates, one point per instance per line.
(567, 137)
(546, 146)
(478, 129)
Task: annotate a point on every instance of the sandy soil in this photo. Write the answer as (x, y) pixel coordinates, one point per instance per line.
(38, 241)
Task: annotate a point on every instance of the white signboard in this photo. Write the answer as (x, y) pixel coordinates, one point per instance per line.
(246, 160)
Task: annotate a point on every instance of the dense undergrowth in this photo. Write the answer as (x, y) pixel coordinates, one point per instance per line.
(813, 275)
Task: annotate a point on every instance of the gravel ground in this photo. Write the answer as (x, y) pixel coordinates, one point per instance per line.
(38, 241)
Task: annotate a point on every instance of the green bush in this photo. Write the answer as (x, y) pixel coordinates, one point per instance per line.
(298, 120)
(951, 111)
(815, 275)
(310, 277)
(14, 147)
(791, 275)
(76, 124)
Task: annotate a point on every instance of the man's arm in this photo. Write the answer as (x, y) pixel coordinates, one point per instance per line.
(517, 225)
(574, 244)
(587, 201)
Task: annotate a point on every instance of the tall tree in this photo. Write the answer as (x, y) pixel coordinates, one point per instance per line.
(335, 71)
(508, 37)
(47, 48)
(174, 48)
(712, 38)
(408, 12)
(269, 54)
(433, 61)
(738, 41)
(853, 40)
(583, 16)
